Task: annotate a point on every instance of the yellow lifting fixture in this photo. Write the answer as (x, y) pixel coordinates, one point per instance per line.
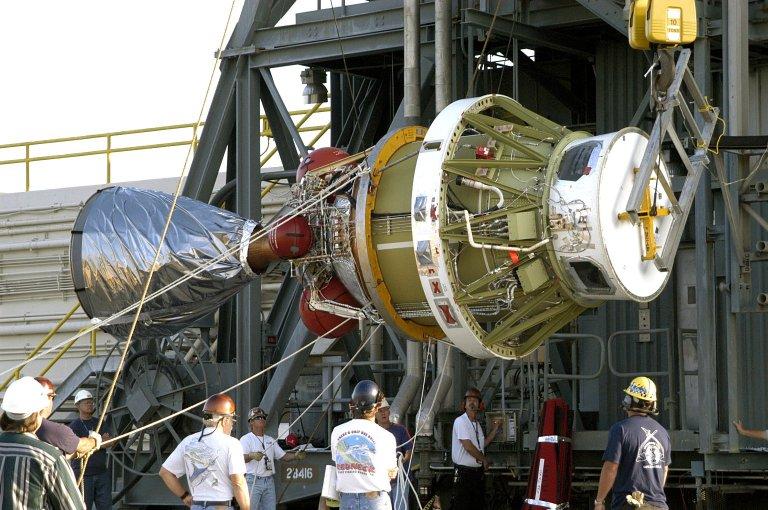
(647, 212)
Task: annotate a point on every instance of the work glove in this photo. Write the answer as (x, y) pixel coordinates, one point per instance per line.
(301, 455)
(257, 456)
(96, 437)
(636, 499)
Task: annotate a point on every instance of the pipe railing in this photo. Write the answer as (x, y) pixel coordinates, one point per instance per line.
(109, 138)
(17, 373)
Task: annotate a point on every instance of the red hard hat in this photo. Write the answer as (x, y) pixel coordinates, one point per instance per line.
(291, 441)
(220, 403)
(47, 384)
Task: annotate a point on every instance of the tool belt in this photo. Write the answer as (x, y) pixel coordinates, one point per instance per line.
(212, 504)
(466, 469)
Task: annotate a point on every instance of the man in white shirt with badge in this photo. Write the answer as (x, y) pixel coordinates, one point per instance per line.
(260, 453)
(364, 453)
(212, 460)
(468, 454)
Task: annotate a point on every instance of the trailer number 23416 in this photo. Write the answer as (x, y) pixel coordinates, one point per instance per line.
(299, 473)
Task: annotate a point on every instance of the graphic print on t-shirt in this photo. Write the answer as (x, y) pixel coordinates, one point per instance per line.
(354, 453)
(651, 451)
(202, 458)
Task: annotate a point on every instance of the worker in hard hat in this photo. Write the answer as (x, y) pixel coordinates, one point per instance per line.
(468, 443)
(399, 495)
(211, 459)
(97, 482)
(636, 460)
(260, 452)
(58, 434)
(365, 454)
(33, 474)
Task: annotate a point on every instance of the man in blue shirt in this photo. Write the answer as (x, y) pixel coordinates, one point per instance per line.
(636, 460)
(398, 495)
(97, 482)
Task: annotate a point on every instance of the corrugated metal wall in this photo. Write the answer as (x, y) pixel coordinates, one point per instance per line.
(619, 82)
(620, 87)
(754, 330)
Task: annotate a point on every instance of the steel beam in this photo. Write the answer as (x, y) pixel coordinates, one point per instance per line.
(364, 130)
(427, 72)
(351, 343)
(221, 115)
(608, 11)
(506, 28)
(443, 54)
(376, 32)
(285, 376)
(248, 200)
(736, 75)
(290, 146)
(706, 347)
(412, 59)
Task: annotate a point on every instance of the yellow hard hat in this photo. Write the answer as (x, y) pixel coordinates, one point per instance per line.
(642, 388)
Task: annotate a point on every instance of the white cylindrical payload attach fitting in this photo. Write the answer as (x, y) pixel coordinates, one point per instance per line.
(600, 254)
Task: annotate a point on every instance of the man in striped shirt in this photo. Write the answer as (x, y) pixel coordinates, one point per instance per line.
(33, 475)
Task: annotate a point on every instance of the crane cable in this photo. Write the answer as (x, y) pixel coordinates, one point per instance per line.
(327, 387)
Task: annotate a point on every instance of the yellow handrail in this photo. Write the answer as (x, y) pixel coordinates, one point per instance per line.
(66, 348)
(40, 345)
(110, 149)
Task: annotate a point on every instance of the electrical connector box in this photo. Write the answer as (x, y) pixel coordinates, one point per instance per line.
(522, 225)
(671, 22)
(508, 431)
(532, 275)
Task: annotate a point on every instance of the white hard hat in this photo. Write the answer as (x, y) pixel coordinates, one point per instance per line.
(82, 395)
(383, 403)
(24, 397)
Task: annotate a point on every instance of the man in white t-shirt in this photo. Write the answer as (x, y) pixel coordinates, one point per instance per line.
(365, 453)
(260, 453)
(468, 454)
(212, 460)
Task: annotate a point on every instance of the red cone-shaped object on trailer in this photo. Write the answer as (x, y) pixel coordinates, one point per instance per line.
(319, 158)
(321, 323)
(552, 469)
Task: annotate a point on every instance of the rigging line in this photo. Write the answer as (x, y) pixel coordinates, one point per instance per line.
(110, 393)
(187, 276)
(319, 421)
(471, 87)
(234, 386)
(344, 61)
(439, 382)
(421, 403)
(349, 363)
(506, 52)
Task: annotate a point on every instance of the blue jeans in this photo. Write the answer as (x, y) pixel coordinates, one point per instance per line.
(262, 491)
(98, 491)
(363, 502)
(399, 495)
(201, 507)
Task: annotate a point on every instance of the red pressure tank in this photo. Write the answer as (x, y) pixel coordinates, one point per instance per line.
(319, 158)
(321, 323)
(290, 240)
